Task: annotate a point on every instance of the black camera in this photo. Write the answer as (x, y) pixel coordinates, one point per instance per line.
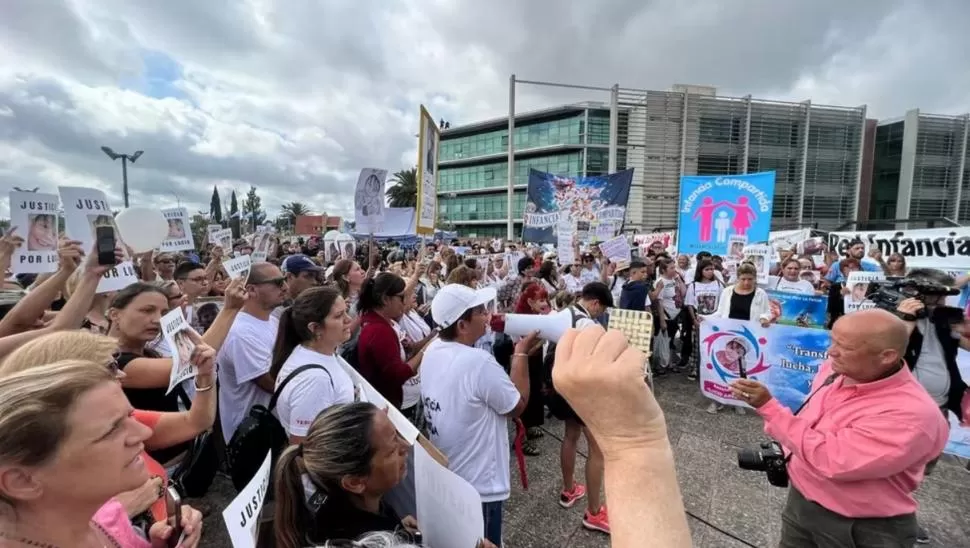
(768, 458)
(887, 294)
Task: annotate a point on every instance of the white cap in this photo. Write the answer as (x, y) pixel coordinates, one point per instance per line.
(453, 300)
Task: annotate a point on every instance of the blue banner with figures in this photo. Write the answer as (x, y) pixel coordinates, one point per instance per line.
(714, 208)
(798, 309)
(589, 200)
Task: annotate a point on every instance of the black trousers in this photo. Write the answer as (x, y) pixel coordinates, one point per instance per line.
(805, 524)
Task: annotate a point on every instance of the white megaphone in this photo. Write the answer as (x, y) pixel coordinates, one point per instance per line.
(551, 327)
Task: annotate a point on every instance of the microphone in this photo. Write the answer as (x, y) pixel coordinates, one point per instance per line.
(551, 327)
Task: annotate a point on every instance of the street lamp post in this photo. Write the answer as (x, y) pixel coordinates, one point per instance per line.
(125, 158)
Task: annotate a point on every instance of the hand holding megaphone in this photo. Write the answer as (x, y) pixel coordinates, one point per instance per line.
(551, 327)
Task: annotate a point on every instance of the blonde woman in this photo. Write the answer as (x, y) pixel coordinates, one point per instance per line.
(168, 429)
(70, 444)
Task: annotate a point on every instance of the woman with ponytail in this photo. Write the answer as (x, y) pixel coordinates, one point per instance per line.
(351, 456)
(310, 331)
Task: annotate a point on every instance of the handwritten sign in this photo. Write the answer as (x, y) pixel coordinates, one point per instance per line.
(616, 249)
(449, 508)
(35, 216)
(177, 334)
(238, 267)
(242, 514)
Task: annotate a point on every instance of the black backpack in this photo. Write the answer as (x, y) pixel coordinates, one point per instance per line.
(259, 432)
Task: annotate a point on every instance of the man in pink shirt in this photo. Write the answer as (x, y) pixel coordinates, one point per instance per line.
(859, 448)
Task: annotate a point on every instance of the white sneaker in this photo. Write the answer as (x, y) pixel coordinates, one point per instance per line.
(714, 408)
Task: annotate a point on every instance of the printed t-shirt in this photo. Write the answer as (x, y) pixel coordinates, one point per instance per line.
(310, 393)
(466, 396)
(243, 358)
(703, 296)
(667, 296)
(803, 287)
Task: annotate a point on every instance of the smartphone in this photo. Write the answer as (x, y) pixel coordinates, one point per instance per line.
(173, 502)
(742, 372)
(105, 237)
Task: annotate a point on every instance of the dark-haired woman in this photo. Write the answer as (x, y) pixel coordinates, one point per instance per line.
(310, 331)
(379, 350)
(352, 456)
(136, 320)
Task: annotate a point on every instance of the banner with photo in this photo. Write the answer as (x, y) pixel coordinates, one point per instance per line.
(713, 208)
(585, 200)
(659, 241)
(941, 248)
(784, 358)
(798, 309)
(428, 138)
(34, 217)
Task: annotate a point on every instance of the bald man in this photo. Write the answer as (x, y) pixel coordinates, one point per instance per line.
(859, 447)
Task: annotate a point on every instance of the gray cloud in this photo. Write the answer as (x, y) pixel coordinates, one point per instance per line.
(295, 98)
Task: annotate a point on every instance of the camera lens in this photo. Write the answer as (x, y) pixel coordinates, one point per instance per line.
(751, 459)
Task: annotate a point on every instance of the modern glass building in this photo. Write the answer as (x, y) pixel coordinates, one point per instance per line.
(921, 168)
(816, 150)
(473, 163)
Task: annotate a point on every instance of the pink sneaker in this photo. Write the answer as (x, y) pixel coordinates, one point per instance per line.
(598, 521)
(568, 498)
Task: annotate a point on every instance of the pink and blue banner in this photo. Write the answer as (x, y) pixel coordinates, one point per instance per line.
(714, 208)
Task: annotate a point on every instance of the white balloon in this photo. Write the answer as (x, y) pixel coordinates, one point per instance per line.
(142, 228)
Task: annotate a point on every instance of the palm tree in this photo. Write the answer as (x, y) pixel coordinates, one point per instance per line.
(404, 190)
(293, 210)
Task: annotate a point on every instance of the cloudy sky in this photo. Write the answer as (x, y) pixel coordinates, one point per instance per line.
(295, 97)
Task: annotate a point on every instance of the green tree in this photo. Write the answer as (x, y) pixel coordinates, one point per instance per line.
(215, 206)
(199, 225)
(404, 189)
(234, 216)
(252, 208)
(289, 212)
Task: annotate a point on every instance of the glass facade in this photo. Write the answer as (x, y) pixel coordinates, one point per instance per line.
(532, 135)
(480, 207)
(495, 174)
(887, 159)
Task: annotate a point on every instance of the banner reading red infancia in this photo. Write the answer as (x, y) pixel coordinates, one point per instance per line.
(942, 248)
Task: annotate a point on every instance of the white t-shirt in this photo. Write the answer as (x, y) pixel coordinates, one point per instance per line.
(703, 296)
(466, 397)
(667, 295)
(414, 326)
(799, 286)
(692, 271)
(244, 356)
(311, 392)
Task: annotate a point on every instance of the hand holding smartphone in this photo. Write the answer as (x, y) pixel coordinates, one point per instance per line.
(174, 506)
(105, 244)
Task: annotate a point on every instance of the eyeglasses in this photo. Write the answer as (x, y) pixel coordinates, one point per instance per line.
(113, 366)
(278, 282)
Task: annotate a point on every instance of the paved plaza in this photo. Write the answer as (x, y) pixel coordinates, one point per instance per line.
(728, 507)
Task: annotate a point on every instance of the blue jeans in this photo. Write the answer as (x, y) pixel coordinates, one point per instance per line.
(492, 512)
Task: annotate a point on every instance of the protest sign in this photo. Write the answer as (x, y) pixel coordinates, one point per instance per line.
(35, 217)
(178, 336)
(85, 209)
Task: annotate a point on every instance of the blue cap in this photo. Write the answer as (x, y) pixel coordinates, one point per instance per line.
(294, 264)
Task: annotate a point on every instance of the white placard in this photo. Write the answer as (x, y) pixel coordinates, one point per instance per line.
(857, 284)
(369, 200)
(427, 173)
(238, 267)
(565, 244)
(616, 249)
(85, 209)
(223, 239)
(940, 248)
(178, 336)
(242, 514)
(210, 232)
(735, 246)
(759, 255)
(449, 508)
(179, 230)
(367, 393)
(35, 216)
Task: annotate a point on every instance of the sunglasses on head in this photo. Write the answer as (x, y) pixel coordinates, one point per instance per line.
(113, 366)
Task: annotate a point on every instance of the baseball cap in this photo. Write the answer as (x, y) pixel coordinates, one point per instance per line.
(453, 300)
(294, 264)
